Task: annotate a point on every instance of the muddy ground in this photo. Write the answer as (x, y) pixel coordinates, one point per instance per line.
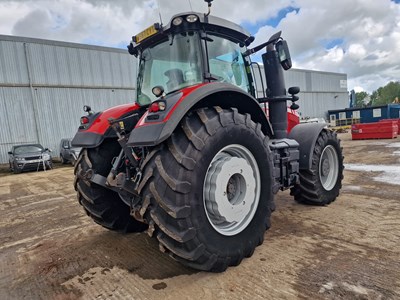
(49, 249)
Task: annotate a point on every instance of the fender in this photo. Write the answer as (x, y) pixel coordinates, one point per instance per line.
(154, 128)
(306, 135)
(99, 128)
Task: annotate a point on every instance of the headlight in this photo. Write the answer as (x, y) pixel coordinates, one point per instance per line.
(19, 158)
(177, 21)
(192, 18)
(46, 156)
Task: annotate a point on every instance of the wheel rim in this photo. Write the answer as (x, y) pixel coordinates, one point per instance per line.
(329, 167)
(231, 191)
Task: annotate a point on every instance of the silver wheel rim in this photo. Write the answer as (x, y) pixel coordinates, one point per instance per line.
(231, 190)
(329, 167)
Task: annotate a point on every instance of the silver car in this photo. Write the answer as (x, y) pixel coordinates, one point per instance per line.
(29, 157)
(68, 153)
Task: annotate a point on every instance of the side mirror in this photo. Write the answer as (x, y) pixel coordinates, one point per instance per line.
(47, 149)
(9, 152)
(284, 55)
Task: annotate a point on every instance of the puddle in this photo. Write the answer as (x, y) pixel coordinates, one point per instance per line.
(352, 188)
(387, 174)
(393, 145)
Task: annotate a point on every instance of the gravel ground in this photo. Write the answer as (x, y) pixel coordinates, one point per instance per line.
(49, 249)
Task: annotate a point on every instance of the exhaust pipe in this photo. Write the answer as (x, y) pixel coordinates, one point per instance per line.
(275, 89)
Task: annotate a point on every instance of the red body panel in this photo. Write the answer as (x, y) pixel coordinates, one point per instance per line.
(292, 116)
(293, 119)
(185, 92)
(100, 125)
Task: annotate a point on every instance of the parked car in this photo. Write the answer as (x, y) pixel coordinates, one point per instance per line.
(29, 157)
(68, 153)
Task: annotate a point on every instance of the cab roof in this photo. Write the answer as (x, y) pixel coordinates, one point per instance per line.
(207, 23)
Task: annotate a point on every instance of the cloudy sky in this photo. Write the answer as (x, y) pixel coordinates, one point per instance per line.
(357, 37)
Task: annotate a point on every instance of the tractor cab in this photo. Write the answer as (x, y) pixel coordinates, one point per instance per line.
(193, 48)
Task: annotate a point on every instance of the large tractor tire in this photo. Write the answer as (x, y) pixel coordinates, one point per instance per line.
(104, 206)
(321, 184)
(208, 189)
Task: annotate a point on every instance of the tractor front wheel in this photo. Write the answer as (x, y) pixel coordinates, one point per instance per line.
(208, 189)
(321, 184)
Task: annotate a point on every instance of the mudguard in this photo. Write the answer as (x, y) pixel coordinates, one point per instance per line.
(99, 128)
(306, 135)
(155, 127)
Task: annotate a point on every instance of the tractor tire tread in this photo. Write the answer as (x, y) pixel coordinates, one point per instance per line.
(309, 190)
(169, 209)
(103, 205)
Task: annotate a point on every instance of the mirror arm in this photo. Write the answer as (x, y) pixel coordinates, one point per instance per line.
(272, 40)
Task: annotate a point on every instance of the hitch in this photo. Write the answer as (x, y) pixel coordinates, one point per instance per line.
(119, 128)
(116, 184)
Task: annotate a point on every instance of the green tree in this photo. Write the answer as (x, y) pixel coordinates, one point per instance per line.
(387, 94)
(360, 96)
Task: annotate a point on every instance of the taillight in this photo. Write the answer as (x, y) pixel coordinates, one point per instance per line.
(157, 106)
(84, 120)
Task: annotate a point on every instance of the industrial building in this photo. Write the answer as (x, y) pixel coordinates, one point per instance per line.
(348, 116)
(44, 85)
(319, 91)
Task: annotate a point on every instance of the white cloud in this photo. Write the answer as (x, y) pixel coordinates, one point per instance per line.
(368, 32)
(356, 52)
(358, 89)
(363, 35)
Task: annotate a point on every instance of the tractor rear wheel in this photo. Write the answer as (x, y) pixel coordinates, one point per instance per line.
(104, 206)
(208, 189)
(321, 184)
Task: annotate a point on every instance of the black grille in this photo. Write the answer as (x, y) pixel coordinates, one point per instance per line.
(32, 157)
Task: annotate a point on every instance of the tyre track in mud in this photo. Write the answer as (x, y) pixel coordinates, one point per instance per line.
(49, 249)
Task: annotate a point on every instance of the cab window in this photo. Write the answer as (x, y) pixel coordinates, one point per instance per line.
(226, 62)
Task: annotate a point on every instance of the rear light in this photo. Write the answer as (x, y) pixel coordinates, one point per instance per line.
(154, 107)
(157, 106)
(84, 120)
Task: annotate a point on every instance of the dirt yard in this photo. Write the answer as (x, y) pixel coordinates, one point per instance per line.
(49, 249)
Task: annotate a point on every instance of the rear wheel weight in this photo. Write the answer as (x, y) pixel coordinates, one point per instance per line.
(231, 189)
(321, 184)
(103, 205)
(186, 206)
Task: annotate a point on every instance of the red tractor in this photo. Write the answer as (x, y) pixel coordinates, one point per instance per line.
(195, 161)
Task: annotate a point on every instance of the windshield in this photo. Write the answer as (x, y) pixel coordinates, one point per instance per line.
(28, 149)
(173, 64)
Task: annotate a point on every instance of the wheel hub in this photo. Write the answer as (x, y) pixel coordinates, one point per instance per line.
(325, 167)
(329, 167)
(231, 190)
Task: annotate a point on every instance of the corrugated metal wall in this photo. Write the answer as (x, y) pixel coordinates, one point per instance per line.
(44, 85)
(319, 91)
